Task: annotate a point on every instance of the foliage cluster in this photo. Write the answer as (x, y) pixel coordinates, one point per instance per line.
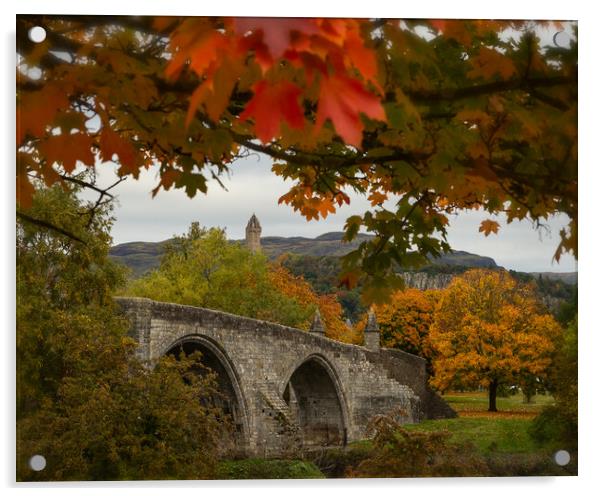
(558, 424)
(405, 322)
(424, 118)
(84, 401)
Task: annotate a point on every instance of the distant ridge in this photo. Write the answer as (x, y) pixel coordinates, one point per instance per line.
(142, 256)
(567, 277)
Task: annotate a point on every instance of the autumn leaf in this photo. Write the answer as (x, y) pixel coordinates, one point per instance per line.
(276, 32)
(362, 57)
(490, 62)
(325, 206)
(489, 226)
(37, 109)
(67, 149)
(376, 198)
(197, 43)
(25, 189)
(215, 92)
(272, 103)
(111, 143)
(341, 100)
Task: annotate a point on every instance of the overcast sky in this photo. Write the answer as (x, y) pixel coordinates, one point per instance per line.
(253, 188)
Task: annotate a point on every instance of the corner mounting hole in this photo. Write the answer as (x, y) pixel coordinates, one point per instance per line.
(562, 39)
(562, 457)
(37, 34)
(37, 463)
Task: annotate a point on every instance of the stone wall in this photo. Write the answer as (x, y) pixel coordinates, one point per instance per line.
(291, 386)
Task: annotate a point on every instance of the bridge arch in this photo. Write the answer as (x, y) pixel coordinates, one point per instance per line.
(314, 393)
(228, 379)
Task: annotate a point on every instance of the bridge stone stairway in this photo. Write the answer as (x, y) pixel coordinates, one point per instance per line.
(278, 419)
(395, 396)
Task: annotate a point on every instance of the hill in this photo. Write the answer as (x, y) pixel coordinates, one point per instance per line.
(141, 256)
(318, 261)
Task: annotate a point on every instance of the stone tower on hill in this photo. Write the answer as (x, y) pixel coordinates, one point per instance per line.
(253, 237)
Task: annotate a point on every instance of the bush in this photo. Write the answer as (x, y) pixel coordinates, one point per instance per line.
(556, 428)
(337, 462)
(557, 425)
(399, 452)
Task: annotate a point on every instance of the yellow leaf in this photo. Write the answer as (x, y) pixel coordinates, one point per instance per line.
(489, 226)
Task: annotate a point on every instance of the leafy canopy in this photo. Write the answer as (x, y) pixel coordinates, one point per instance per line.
(434, 116)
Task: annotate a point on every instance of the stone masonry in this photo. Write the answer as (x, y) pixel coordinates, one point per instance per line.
(287, 388)
(253, 234)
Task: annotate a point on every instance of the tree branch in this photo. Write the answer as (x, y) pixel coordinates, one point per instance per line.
(50, 226)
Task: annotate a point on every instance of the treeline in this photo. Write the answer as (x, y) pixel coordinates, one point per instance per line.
(323, 273)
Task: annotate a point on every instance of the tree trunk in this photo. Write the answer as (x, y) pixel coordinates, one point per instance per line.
(492, 395)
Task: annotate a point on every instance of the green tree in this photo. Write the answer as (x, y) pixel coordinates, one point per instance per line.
(84, 401)
(204, 269)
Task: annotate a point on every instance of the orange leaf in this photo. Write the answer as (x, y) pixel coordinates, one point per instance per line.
(325, 206)
(25, 189)
(491, 62)
(67, 149)
(37, 109)
(376, 197)
(113, 144)
(272, 103)
(341, 100)
(489, 226)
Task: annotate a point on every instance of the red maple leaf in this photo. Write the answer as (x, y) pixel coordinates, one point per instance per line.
(342, 98)
(276, 32)
(272, 103)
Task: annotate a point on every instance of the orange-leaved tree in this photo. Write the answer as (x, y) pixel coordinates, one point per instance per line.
(436, 115)
(490, 330)
(298, 289)
(405, 321)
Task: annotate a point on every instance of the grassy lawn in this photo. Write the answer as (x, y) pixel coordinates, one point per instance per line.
(475, 404)
(488, 435)
(505, 431)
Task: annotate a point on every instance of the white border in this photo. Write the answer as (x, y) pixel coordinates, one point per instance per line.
(590, 185)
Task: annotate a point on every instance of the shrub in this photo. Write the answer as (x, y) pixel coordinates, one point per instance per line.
(399, 452)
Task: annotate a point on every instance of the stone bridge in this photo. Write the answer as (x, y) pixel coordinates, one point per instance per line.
(283, 385)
